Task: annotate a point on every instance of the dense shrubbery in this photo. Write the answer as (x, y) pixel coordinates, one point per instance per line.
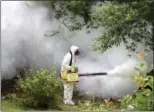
(40, 89)
(143, 98)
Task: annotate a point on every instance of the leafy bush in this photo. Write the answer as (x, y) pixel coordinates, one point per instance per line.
(41, 88)
(143, 97)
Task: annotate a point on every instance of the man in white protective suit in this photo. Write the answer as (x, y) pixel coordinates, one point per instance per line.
(68, 66)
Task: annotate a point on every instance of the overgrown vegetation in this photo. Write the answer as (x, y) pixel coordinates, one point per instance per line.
(144, 95)
(38, 90)
(41, 88)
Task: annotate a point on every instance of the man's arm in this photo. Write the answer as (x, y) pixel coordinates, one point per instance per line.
(66, 61)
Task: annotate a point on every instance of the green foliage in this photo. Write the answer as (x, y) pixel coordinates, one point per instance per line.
(70, 10)
(122, 22)
(143, 98)
(40, 88)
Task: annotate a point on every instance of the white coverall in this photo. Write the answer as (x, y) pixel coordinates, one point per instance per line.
(68, 86)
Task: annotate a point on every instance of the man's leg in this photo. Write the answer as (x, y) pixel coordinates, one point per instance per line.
(68, 93)
(65, 84)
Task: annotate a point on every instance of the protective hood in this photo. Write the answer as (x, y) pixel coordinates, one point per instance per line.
(74, 49)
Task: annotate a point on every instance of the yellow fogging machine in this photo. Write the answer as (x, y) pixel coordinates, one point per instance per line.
(73, 76)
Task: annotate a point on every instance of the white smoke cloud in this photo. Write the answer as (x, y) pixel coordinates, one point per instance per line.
(23, 40)
(24, 44)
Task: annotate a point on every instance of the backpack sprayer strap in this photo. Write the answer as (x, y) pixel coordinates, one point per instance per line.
(70, 64)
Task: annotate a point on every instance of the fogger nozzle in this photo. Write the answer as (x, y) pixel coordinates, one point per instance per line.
(92, 74)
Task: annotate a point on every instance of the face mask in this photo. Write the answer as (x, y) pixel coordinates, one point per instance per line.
(77, 52)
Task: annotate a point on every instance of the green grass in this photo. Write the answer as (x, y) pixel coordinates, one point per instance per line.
(13, 103)
(8, 105)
